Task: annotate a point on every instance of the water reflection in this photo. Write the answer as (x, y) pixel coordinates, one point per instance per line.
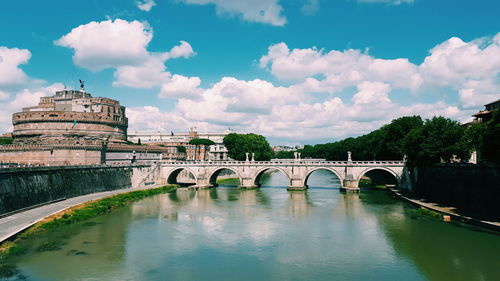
(299, 204)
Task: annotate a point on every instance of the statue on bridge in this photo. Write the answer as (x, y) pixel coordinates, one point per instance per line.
(349, 156)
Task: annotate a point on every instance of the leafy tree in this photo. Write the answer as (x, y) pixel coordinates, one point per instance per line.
(439, 139)
(284, 154)
(204, 143)
(491, 139)
(239, 144)
(385, 143)
(181, 149)
(5, 140)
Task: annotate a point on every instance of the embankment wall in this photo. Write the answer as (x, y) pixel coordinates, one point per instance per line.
(473, 189)
(25, 187)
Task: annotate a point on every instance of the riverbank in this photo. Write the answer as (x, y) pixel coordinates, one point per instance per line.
(226, 179)
(77, 213)
(447, 211)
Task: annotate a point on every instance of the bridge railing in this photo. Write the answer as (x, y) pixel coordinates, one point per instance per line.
(286, 162)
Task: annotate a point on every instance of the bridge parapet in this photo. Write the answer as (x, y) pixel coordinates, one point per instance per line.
(274, 163)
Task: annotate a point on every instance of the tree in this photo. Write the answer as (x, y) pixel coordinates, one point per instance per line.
(491, 139)
(239, 144)
(439, 139)
(181, 149)
(204, 143)
(284, 154)
(5, 140)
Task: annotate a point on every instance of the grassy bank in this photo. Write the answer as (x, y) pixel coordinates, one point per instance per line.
(227, 180)
(368, 183)
(78, 214)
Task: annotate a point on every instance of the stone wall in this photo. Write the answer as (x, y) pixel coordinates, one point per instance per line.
(24, 187)
(49, 127)
(473, 189)
(52, 156)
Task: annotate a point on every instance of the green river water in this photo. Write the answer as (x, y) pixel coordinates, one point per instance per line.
(266, 234)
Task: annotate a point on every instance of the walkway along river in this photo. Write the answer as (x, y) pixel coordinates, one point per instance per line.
(269, 233)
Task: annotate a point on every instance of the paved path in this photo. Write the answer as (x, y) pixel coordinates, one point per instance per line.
(494, 225)
(18, 222)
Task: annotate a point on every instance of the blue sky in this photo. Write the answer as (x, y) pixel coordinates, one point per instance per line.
(296, 71)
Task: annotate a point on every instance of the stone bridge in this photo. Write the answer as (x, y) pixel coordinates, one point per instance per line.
(298, 171)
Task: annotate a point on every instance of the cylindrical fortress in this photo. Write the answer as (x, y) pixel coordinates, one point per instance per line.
(70, 117)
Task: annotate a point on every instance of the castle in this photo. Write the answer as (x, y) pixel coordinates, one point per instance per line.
(73, 128)
(70, 117)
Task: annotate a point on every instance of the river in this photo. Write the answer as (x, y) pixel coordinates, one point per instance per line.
(266, 234)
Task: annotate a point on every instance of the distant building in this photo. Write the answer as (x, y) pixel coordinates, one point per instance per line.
(278, 148)
(173, 140)
(486, 114)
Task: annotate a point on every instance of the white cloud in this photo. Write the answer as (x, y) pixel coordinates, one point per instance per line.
(340, 69)
(122, 45)
(183, 50)
(455, 61)
(477, 93)
(10, 59)
(235, 102)
(31, 97)
(145, 5)
(24, 98)
(151, 72)
(472, 68)
(181, 87)
(262, 11)
(110, 43)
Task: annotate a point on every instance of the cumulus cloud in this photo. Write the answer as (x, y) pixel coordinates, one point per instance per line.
(106, 44)
(181, 87)
(145, 5)
(232, 102)
(340, 68)
(10, 59)
(183, 50)
(262, 11)
(122, 45)
(472, 68)
(23, 98)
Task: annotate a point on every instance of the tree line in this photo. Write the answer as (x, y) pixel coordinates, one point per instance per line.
(423, 142)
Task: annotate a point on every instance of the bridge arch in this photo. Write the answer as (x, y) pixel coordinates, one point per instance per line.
(397, 176)
(261, 171)
(172, 175)
(335, 172)
(212, 178)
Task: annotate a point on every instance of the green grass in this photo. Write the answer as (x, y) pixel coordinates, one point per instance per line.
(78, 214)
(416, 213)
(368, 183)
(227, 181)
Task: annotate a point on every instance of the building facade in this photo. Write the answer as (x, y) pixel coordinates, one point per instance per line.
(486, 114)
(174, 140)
